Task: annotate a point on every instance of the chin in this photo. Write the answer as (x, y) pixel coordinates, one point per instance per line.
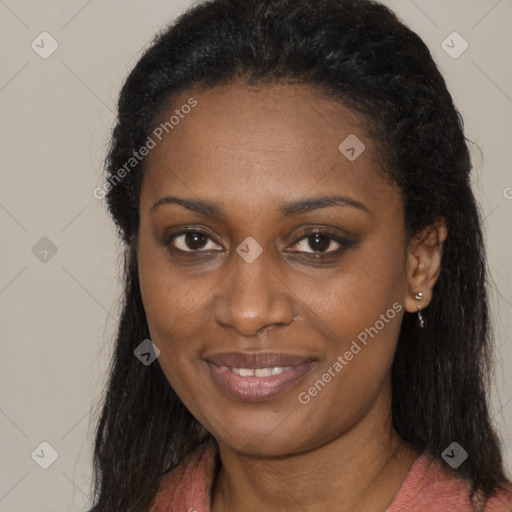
(265, 438)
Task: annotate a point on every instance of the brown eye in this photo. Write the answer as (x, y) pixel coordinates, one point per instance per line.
(191, 241)
(320, 242)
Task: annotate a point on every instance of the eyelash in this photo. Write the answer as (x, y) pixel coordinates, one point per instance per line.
(343, 242)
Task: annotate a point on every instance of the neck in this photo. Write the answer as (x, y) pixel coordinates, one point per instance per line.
(362, 469)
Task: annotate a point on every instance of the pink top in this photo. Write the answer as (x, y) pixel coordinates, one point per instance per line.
(429, 487)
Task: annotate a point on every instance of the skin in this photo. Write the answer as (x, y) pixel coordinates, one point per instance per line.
(251, 150)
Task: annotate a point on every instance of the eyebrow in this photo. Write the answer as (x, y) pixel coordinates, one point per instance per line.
(287, 210)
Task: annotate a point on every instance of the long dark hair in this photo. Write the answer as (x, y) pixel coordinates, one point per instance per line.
(359, 53)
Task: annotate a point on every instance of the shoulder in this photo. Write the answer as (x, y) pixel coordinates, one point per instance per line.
(433, 486)
(188, 484)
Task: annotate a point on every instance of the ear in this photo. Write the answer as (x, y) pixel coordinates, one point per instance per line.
(424, 256)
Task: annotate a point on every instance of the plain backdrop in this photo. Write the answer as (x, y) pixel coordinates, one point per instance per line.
(59, 271)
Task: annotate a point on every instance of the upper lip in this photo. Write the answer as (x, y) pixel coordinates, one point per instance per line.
(257, 359)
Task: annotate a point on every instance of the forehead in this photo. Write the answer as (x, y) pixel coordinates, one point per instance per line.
(272, 141)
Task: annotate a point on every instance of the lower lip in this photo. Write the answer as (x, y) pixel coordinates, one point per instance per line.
(255, 389)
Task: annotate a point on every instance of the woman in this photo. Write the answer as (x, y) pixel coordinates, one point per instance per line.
(305, 323)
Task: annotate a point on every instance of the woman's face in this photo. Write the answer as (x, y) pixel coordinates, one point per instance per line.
(251, 286)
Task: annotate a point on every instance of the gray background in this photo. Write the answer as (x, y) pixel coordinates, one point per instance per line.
(58, 311)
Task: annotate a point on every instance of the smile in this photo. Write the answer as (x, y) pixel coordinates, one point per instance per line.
(258, 376)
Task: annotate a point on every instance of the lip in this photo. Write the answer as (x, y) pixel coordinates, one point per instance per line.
(252, 388)
(256, 359)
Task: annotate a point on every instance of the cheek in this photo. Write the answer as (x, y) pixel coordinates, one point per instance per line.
(358, 312)
(175, 311)
(360, 344)
(169, 297)
(164, 306)
(354, 298)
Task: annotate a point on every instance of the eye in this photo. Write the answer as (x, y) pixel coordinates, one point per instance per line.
(320, 242)
(191, 241)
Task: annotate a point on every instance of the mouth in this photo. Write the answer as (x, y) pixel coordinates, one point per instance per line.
(257, 376)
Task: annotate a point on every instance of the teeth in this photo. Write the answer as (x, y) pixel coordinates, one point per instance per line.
(263, 372)
(258, 372)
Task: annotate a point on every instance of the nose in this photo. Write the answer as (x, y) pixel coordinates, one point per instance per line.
(253, 297)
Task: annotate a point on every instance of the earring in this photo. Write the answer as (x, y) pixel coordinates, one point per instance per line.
(419, 297)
